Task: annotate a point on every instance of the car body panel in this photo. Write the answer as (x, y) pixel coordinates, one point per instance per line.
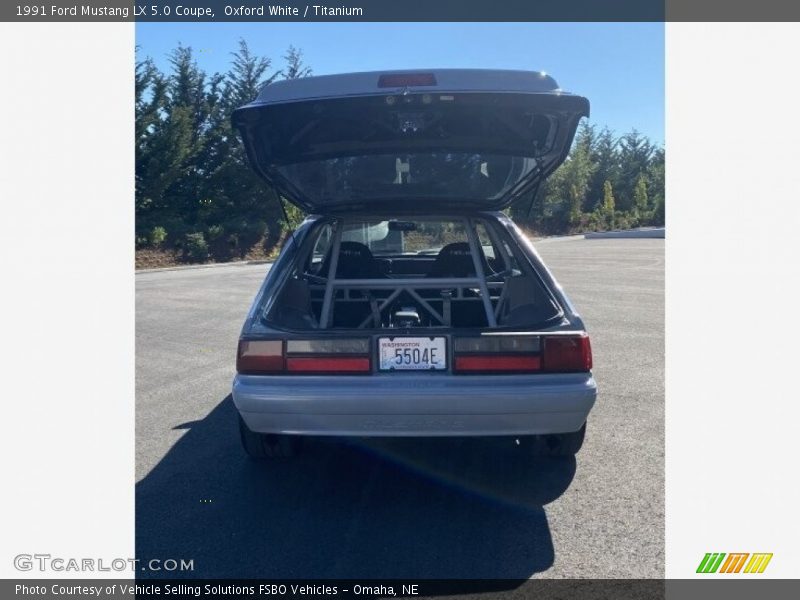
(411, 404)
(369, 83)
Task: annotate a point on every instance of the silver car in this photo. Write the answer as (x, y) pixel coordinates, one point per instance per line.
(407, 303)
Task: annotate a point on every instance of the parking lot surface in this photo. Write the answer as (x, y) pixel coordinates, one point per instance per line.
(403, 509)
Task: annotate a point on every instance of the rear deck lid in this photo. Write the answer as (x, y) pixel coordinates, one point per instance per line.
(409, 140)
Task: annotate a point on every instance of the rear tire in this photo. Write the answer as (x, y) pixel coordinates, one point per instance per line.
(559, 445)
(260, 446)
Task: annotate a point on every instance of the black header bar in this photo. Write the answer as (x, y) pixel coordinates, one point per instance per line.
(395, 10)
(347, 589)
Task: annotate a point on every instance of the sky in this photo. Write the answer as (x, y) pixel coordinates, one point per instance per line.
(618, 66)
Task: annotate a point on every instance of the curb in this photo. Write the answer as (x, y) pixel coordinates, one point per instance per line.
(557, 238)
(654, 232)
(236, 263)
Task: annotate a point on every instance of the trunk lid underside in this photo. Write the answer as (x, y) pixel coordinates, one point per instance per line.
(440, 140)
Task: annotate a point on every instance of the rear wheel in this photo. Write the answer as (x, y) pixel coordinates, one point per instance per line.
(267, 445)
(559, 445)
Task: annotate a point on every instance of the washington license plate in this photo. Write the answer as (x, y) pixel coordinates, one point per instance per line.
(412, 353)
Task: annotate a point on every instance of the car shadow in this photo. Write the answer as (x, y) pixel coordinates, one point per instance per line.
(380, 508)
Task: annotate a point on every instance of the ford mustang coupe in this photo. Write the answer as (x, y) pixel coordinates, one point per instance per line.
(407, 303)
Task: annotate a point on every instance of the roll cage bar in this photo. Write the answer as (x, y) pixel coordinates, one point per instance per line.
(412, 285)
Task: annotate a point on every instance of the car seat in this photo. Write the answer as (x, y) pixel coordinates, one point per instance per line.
(455, 260)
(355, 262)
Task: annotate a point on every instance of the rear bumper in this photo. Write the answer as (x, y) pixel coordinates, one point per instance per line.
(415, 404)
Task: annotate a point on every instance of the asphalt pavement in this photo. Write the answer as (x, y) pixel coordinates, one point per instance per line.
(408, 508)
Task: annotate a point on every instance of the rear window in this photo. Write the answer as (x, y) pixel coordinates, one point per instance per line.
(430, 175)
(401, 237)
(386, 238)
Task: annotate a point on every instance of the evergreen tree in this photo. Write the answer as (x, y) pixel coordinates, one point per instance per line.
(655, 179)
(295, 67)
(609, 203)
(640, 204)
(577, 173)
(149, 101)
(195, 188)
(635, 152)
(172, 115)
(247, 211)
(605, 158)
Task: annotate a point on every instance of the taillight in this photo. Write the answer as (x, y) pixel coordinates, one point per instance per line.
(566, 353)
(331, 364)
(497, 354)
(332, 356)
(522, 354)
(308, 357)
(258, 357)
(503, 363)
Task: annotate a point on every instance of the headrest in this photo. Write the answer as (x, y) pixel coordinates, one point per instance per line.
(453, 260)
(354, 251)
(355, 262)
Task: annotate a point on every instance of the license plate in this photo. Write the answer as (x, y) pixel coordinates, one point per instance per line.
(412, 354)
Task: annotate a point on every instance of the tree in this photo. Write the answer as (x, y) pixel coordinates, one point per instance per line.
(149, 101)
(640, 205)
(606, 160)
(245, 208)
(655, 184)
(577, 173)
(635, 152)
(194, 185)
(559, 204)
(659, 213)
(196, 190)
(609, 204)
(295, 68)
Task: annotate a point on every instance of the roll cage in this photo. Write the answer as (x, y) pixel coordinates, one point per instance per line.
(436, 296)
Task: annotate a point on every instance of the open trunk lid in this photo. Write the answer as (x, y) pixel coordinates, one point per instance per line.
(409, 140)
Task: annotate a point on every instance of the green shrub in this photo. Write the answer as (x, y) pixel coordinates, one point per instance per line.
(196, 247)
(158, 236)
(596, 221)
(214, 232)
(250, 233)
